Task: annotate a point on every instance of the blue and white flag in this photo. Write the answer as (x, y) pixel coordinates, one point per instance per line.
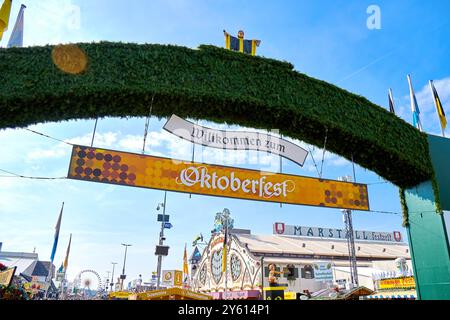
(58, 226)
(414, 106)
(16, 39)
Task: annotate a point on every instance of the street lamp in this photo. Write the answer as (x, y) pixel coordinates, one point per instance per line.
(112, 277)
(122, 277)
(161, 240)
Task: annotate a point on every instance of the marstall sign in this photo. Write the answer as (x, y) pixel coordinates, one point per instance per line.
(129, 169)
(331, 233)
(235, 140)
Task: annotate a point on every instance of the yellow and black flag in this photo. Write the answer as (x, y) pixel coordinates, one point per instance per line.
(5, 12)
(439, 108)
(240, 44)
(224, 251)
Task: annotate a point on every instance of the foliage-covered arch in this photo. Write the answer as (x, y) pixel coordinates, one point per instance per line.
(213, 84)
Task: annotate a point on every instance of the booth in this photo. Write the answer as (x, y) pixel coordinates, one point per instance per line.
(172, 294)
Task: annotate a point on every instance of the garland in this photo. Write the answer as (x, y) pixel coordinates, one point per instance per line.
(404, 206)
(437, 198)
(214, 84)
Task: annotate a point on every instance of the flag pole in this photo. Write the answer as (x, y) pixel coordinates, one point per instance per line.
(55, 244)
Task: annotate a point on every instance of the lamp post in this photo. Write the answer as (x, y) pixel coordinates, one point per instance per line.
(112, 277)
(161, 241)
(107, 281)
(122, 276)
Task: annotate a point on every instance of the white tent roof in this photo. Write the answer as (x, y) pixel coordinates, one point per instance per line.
(277, 244)
(21, 260)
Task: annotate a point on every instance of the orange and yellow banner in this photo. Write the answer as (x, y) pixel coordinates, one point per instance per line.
(399, 283)
(130, 169)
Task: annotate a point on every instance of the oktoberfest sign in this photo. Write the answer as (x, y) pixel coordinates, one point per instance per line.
(137, 170)
(235, 140)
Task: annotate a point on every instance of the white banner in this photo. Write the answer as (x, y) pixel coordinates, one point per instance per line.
(235, 140)
(290, 230)
(323, 271)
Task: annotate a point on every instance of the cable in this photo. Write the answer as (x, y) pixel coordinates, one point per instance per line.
(147, 123)
(47, 136)
(323, 153)
(15, 175)
(375, 183)
(93, 134)
(314, 162)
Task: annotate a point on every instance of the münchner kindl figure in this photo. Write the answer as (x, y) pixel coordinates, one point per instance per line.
(240, 44)
(273, 275)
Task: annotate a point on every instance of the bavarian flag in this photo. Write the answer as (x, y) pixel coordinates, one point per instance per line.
(438, 104)
(5, 11)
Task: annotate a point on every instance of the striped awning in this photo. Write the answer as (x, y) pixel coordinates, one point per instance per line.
(391, 297)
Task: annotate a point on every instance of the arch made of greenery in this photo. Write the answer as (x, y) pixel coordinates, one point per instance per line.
(213, 84)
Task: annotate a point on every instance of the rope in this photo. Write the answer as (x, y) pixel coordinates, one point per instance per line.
(147, 123)
(354, 172)
(314, 162)
(93, 134)
(15, 175)
(323, 153)
(47, 136)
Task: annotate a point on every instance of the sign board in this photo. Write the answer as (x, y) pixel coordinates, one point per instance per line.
(162, 250)
(397, 283)
(323, 271)
(235, 140)
(172, 278)
(7, 276)
(167, 225)
(137, 170)
(329, 233)
(60, 276)
(290, 295)
(163, 217)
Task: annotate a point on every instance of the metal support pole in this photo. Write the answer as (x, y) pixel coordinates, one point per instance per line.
(122, 278)
(262, 278)
(226, 254)
(161, 242)
(347, 215)
(112, 277)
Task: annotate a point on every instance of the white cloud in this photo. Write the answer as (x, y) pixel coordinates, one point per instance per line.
(38, 154)
(51, 21)
(104, 140)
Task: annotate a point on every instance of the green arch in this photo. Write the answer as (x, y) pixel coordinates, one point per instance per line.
(213, 84)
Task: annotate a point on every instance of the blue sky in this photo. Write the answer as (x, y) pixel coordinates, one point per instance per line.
(328, 40)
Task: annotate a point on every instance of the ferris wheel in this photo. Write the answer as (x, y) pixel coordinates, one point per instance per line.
(88, 283)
